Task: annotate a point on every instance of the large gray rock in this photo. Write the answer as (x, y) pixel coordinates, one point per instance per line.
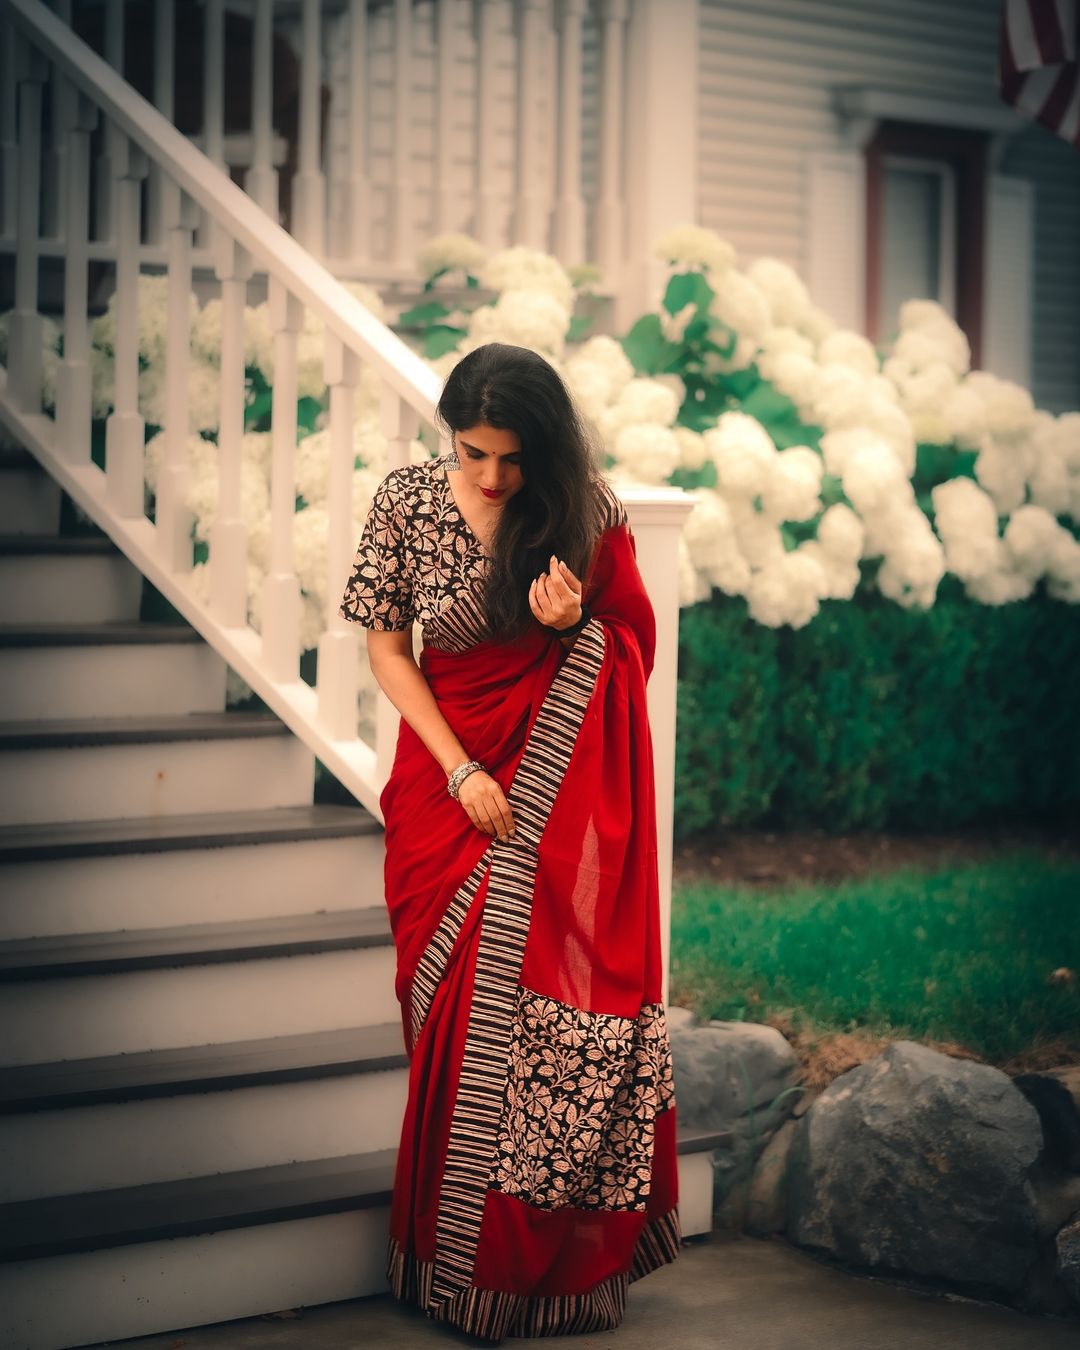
(734, 1076)
(920, 1163)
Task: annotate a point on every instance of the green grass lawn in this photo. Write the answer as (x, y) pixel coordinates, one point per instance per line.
(961, 954)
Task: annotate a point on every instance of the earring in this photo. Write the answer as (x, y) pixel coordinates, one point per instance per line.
(452, 461)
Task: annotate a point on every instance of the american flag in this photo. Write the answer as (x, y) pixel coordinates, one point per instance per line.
(1038, 68)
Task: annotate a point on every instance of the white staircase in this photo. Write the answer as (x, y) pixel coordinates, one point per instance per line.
(203, 1073)
(201, 1065)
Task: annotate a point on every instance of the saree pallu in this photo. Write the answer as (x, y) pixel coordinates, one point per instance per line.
(537, 1173)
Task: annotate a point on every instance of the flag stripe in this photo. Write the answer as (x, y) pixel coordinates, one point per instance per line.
(1038, 72)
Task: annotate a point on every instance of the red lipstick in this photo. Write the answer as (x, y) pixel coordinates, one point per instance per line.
(492, 495)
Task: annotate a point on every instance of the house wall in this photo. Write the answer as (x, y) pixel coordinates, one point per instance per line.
(766, 72)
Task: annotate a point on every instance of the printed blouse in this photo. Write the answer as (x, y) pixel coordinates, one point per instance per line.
(419, 562)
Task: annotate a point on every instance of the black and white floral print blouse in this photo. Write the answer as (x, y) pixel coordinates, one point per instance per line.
(419, 562)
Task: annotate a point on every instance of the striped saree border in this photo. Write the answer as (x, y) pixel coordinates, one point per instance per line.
(500, 951)
(492, 1315)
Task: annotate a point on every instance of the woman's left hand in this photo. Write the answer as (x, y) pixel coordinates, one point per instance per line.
(555, 596)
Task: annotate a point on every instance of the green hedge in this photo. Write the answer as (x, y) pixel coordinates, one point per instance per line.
(873, 715)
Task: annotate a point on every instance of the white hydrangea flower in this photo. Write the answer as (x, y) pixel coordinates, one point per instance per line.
(914, 561)
(522, 318)
(311, 527)
(842, 576)
(1009, 410)
(874, 479)
(1003, 473)
(788, 590)
(928, 334)
(1030, 537)
(1063, 572)
(590, 388)
(816, 324)
(743, 453)
(758, 538)
(528, 269)
(793, 491)
(846, 348)
(693, 452)
(647, 450)
(795, 375)
(741, 305)
(840, 533)
(783, 289)
(199, 452)
(924, 395)
(604, 355)
(741, 358)
(202, 496)
(692, 585)
(641, 400)
(713, 547)
(451, 252)
(694, 247)
(964, 415)
(966, 520)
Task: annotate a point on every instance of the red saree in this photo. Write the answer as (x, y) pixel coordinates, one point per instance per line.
(537, 1175)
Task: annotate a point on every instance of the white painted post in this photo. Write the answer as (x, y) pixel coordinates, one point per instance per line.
(228, 533)
(25, 330)
(569, 223)
(609, 231)
(213, 128)
(403, 189)
(172, 515)
(309, 184)
(105, 170)
(261, 181)
(54, 162)
(358, 193)
(661, 125)
(657, 515)
(530, 201)
(400, 424)
(74, 379)
(124, 427)
(446, 59)
(339, 644)
(165, 103)
(282, 603)
(487, 226)
(836, 233)
(9, 149)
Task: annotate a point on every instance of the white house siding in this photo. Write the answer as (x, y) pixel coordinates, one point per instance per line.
(422, 167)
(766, 74)
(1053, 167)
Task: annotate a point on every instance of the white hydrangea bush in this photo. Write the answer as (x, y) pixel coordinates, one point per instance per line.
(806, 450)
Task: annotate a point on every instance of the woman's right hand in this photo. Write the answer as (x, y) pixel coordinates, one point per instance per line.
(484, 800)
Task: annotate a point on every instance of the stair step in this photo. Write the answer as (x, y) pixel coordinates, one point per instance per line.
(201, 1068)
(192, 944)
(125, 632)
(88, 768)
(160, 834)
(65, 732)
(73, 545)
(121, 1216)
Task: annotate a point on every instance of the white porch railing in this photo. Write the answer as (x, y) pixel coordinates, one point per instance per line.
(194, 192)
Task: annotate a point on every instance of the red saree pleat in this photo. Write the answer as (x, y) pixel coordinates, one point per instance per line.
(537, 1171)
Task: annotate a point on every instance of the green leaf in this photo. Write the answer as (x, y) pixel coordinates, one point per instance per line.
(687, 288)
(440, 339)
(579, 327)
(307, 410)
(426, 313)
(649, 351)
(471, 282)
(768, 405)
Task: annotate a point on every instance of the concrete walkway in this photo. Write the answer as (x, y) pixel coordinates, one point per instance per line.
(739, 1294)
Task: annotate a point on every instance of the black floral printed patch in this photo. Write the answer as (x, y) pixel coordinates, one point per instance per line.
(582, 1094)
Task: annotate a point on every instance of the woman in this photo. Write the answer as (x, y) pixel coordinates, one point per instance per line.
(537, 1172)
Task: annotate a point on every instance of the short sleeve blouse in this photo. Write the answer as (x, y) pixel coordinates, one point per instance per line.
(417, 557)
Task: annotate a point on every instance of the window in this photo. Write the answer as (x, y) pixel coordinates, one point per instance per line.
(925, 210)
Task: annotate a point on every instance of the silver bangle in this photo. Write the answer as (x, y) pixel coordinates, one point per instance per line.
(454, 782)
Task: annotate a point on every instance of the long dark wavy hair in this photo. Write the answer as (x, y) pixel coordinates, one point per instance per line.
(557, 508)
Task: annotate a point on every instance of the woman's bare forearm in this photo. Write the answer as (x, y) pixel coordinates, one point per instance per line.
(403, 683)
